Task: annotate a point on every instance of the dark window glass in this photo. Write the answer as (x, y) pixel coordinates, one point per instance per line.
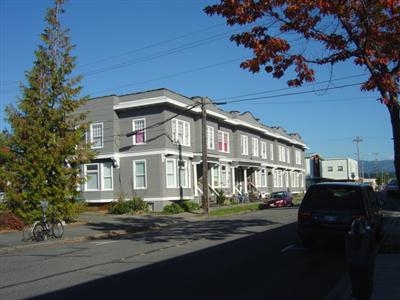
(333, 198)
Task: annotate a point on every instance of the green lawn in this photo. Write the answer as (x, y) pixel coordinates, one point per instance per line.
(234, 209)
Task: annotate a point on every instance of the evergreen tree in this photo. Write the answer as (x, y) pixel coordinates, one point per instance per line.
(47, 136)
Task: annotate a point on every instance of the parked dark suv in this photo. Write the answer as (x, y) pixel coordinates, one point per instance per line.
(329, 208)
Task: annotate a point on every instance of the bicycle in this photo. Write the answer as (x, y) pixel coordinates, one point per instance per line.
(43, 228)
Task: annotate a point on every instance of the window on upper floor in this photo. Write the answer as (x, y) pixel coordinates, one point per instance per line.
(281, 153)
(139, 127)
(223, 141)
(263, 150)
(288, 158)
(210, 138)
(340, 168)
(96, 135)
(298, 157)
(330, 169)
(255, 149)
(181, 132)
(271, 151)
(244, 144)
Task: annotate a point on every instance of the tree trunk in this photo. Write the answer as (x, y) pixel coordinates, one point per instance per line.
(394, 111)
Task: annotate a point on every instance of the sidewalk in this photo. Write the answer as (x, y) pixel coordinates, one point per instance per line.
(95, 225)
(387, 266)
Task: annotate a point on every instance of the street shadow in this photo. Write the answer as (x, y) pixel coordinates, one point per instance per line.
(155, 229)
(252, 267)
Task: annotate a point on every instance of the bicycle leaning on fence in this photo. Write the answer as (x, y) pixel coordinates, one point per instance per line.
(45, 228)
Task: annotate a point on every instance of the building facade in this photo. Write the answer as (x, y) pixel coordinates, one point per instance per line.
(320, 169)
(149, 145)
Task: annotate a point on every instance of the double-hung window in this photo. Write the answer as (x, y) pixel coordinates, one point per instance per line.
(263, 150)
(223, 141)
(92, 174)
(183, 174)
(177, 173)
(298, 157)
(181, 132)
(271, 151)
(139, 174)
(225, 176)
(261, 178)
(96, 135)
(255, 148)
(171, 173)
(281, 154)
(99, 176)
(210, 138)
(244, 143)
(139, 127)
(215, 176)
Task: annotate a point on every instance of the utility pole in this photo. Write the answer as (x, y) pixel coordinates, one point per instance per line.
(204, 154)
(358, 140)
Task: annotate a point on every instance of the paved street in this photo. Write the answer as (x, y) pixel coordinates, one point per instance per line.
(249, 256)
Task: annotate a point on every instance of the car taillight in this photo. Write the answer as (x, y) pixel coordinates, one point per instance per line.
(304, 216)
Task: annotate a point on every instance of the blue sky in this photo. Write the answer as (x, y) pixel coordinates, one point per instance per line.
(130, 46)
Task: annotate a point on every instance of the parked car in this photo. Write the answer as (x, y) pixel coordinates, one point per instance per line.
(392, 187)
(328, 209)
(278, 199)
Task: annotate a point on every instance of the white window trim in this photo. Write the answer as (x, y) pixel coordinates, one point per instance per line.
(281, 153)
(225, 183)
(271, 150)
(263, 150)
(186, 174)
(100, 178)
(134, 129)
(255, 147)
(87, 179)
(224, 135)
(215, 172)
(174, 173)
(185, 132)
(102, 135)
(210, 138)
(134, 175)
(244, 143)
(298, 157)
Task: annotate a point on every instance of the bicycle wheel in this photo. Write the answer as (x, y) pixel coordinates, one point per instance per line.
(57, 228)
(38, 232)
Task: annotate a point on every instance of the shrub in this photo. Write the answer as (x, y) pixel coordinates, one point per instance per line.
(10, 221)
(221, 198)
(131, 206)
(189, 206)
(173, 208)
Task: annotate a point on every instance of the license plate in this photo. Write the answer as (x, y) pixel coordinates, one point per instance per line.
(330, 218)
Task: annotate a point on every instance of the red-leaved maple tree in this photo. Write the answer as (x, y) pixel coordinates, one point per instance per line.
(364, 31)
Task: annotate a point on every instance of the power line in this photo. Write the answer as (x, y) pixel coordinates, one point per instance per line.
(292, 94)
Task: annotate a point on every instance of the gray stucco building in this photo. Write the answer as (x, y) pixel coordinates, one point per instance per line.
(148, 145)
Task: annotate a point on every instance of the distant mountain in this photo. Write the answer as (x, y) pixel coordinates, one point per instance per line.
(386, 166)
